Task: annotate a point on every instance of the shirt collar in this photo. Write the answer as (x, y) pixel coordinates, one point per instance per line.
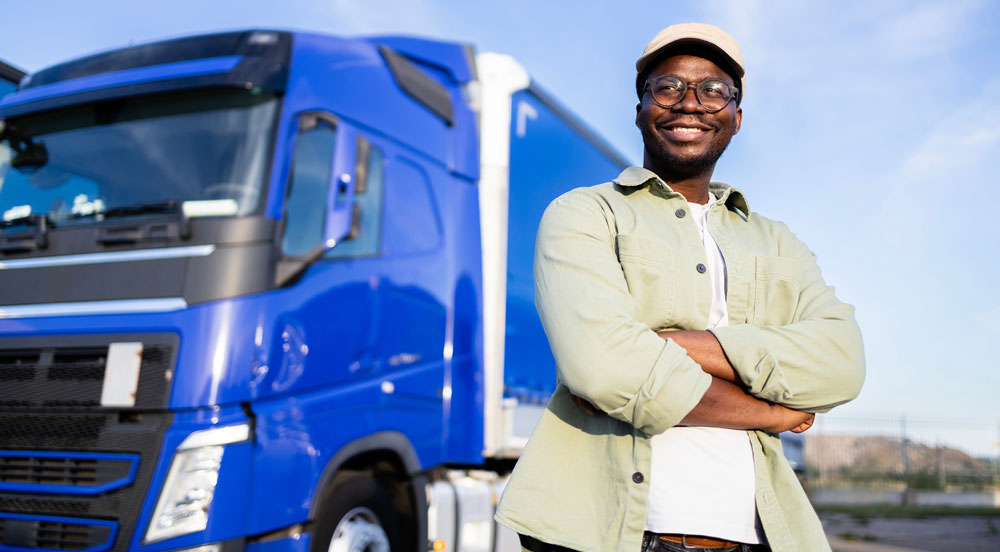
(733, 199)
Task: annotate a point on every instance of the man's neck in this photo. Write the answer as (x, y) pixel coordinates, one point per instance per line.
(694, 187)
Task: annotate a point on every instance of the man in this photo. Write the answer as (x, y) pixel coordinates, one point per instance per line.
(687, 331)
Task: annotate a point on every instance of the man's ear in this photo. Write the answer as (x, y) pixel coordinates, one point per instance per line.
(638, 108)
(739, 120)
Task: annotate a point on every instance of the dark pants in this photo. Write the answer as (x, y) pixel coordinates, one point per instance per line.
(529, 544)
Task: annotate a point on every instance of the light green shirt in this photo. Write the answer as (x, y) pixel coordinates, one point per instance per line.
(613, 264)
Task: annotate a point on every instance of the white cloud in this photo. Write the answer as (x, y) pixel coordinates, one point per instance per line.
(928, 29)
(963, 138)
(927, 199)
(786, 39)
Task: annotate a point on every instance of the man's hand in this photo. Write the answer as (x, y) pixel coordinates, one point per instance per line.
(805, 425)
(787, 419)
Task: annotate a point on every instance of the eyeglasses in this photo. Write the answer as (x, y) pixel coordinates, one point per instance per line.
(713, 94)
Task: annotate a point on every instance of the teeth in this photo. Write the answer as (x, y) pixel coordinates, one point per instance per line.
(686, 129)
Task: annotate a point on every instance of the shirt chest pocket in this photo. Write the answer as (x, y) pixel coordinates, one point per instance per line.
(777, 282)
(648, 266)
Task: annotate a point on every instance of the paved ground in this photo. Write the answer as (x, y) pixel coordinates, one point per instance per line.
(841, 545)
(939, 534)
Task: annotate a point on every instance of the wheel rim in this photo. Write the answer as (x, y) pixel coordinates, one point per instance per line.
(359, 531)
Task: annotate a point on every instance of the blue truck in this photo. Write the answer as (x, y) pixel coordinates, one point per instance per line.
(272, 291)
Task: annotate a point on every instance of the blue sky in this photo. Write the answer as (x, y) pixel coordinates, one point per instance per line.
(871, 128)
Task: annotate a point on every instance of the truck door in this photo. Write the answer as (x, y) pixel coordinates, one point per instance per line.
(411, 296)
(372, 311)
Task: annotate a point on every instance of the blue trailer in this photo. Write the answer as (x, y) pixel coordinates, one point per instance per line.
(272, 291)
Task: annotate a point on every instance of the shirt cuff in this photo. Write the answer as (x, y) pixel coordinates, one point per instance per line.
(756, 365)
(674, 387)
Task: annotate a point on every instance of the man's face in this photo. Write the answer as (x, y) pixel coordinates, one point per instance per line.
(685, 139)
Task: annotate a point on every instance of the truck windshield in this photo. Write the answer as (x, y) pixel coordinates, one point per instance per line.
(209, 148)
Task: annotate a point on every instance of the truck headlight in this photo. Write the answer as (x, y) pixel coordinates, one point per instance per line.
(189, 488)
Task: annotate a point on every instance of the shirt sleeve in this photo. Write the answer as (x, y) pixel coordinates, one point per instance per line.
(814, 363)
(602, 352)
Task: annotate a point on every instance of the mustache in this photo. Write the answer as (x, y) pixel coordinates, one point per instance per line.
(687, 121)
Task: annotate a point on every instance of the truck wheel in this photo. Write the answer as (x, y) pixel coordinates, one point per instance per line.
(356, 516)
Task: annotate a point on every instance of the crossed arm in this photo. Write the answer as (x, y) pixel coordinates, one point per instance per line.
(725, 404)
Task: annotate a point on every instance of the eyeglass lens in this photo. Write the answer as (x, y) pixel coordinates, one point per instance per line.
(713, 94)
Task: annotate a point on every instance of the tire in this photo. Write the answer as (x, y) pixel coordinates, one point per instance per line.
(356, 515)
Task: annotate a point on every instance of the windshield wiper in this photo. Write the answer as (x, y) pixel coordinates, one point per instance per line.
(152, 208)
(23, 241)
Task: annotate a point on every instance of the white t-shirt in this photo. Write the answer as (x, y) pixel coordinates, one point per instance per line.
(702, 478)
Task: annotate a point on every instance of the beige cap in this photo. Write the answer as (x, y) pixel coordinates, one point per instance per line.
(693, 33)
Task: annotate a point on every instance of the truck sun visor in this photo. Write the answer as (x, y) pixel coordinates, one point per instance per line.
(418, 85)
(246, 60)
(272, 46)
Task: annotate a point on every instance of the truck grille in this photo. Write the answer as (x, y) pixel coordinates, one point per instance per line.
(55, 534)
(74, 474)
(23, 430)
(71, 375)
(51, 480)
(66, 473)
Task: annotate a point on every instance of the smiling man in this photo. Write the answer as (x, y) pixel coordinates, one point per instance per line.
(687, 331)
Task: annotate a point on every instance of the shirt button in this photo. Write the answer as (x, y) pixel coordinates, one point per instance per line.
(680, 213)
(637, 477)
(701, 268)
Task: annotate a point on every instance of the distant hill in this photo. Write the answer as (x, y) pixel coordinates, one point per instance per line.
(879, 459)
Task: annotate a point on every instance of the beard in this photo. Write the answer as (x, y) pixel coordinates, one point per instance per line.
(684, 163)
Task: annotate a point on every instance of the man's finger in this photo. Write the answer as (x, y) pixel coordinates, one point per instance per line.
(804, 425)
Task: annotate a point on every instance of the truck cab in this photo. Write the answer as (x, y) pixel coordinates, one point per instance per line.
(256, 290)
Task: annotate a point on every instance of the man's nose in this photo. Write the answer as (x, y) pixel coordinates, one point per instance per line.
(689, 102)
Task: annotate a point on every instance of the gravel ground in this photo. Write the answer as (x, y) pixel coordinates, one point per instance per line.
(936, 534)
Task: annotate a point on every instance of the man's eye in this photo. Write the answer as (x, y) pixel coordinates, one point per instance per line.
(714, 89)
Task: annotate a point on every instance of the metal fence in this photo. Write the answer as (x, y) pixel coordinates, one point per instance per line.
(900, 454)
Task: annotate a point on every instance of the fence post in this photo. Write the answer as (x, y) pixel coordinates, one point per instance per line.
(905, 451)
(942, 477)
(996, 459)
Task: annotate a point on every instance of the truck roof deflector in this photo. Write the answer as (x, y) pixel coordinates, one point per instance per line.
(418, 85)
